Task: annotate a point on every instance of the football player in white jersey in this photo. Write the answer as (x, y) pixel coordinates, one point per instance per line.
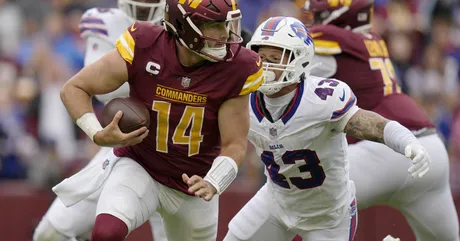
(100, 27)
(298, 126)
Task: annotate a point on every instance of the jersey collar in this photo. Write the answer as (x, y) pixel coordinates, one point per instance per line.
(258, 105)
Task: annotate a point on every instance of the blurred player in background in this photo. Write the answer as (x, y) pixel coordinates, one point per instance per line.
(100, 27)
(194, 77)
(349, 51)
(298, 126)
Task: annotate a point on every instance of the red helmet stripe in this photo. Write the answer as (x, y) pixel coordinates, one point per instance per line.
(270, 26)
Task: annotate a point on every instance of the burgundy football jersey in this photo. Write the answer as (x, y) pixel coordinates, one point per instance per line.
(364, 64)
(184, 102)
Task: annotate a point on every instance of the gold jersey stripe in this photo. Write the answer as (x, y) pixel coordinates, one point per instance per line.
(327, 47)
(253, 82)
(315, 35)
(125, 46)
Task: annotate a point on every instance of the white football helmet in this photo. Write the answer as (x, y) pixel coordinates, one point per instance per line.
(151, 11)
(290, 35)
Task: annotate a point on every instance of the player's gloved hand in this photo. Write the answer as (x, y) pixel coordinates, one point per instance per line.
(420, 159)
(199, 187)
(390, 238)
(113, 137)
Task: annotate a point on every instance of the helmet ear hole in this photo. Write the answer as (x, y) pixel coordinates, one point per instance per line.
(179, 26)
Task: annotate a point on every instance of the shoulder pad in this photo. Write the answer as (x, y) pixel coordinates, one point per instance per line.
(333, 40)
(333, 97)
(145, 33)
(138, 36)
(327, 39)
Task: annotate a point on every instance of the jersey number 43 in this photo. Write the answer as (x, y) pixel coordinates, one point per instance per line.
(289, 158)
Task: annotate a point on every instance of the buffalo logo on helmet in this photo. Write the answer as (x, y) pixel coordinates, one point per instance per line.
(302, 32)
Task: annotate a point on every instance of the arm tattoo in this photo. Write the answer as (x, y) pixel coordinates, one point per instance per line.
(366, 125)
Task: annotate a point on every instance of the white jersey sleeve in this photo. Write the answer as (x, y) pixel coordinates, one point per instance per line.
(96, 48)
(343, 102)
(328, 66)
(101, 27)
(332, 102)
(104, 23)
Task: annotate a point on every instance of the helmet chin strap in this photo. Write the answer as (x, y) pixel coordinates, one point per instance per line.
(219, 52)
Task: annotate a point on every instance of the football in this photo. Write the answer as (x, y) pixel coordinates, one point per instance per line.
(135, 114)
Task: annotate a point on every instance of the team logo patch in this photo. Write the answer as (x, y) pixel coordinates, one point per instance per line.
(273, 132)
(302, 32)
(105, 164)
(185, 82)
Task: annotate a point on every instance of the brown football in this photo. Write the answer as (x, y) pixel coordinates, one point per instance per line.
(135, 114)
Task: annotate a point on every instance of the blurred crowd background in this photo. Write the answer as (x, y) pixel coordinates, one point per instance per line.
(40, 49)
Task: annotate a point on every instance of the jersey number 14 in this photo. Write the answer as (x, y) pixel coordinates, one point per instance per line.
(191, 118)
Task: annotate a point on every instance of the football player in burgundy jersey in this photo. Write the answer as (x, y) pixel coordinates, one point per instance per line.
(195, 79)
(349, 51)
(100, 28)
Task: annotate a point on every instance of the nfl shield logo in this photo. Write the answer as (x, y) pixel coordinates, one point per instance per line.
(185, 82)
(105, 164)
(273, 132)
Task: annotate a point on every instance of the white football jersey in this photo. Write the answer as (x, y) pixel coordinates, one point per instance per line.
(104, 23)
(101, 27)
(305, 151)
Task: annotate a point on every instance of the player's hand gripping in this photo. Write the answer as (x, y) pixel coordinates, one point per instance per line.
(113, 137)
(199, 187)
(420, 159)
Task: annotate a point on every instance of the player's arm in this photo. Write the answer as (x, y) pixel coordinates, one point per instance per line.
(368, 125)
(101, 77)
(233, 118)
(234, 127)
(97, 47)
